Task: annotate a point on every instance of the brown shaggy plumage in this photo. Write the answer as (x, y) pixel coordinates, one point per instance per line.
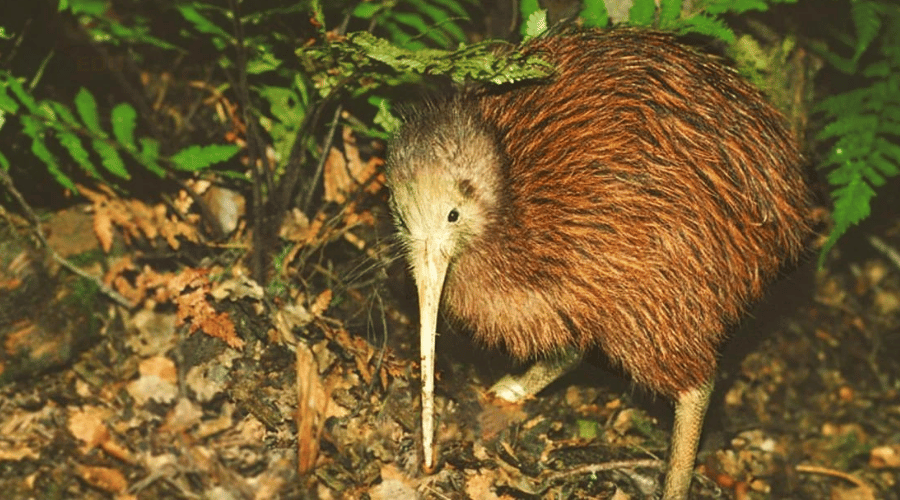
(637, 201)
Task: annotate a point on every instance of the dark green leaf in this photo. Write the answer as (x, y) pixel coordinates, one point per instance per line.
(867, 23)
(149, 156)
(110, 159)
(7, 103)
(87, 110)
(669, 11)
(33, 129)
(200, 22)
(719, 7)
(64, 114)
(77, 151)
(526, 9)
(401, 37)
(878, 69)
(123, 123)
(708, 26)
(132, 34)
(196, 158)
(848, 124)
(91, 7)
(440, 19)
(851, 205)
(888, 148)
(21, 94)
(871, 175)
(595, 14)
(642, 12)
(263, 62)
(417, 23)
(365, 10)
(884, 165)
(454, 6)
(846, 171)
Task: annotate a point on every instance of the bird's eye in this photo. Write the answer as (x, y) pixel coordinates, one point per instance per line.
(453, 216)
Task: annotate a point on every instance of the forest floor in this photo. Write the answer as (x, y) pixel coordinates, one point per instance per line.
(104, 401)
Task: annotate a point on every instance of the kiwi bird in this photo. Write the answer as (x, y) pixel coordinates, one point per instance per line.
(637, 200)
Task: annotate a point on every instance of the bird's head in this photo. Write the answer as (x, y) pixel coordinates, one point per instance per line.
(444, 171)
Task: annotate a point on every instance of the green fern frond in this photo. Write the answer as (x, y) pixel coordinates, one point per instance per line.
(408, 22)
(642, 12)
(536, 24)
(33, 129)
(867, 21)
(707, 26)
(669, 11)
(707, 16)
(474, 62)
(52, 126)
(865, 128)
(196, 158)
(595, 14)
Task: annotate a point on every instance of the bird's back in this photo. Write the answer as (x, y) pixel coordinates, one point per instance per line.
(649, 194)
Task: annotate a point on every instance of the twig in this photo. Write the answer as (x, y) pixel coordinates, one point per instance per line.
(329, 140)
(116, 74)
(382, 351)
(255, 150)
(297, 156)
(36, 229)
(867, 491)
(651, 463)
(890, 252)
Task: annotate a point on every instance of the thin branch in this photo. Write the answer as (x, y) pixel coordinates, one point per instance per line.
(255, 151)
(649, 463)
(329, 141)
(866, 492)
(890, 252)
(39, 233)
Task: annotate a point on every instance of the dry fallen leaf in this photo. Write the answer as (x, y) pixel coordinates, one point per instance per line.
(135, 219)
(159, 366)
(885, 457)
(479, 485)
(184, 415)
(851, 493)
(346, 172)
(158, 381)
(87, 425)
(105, 478)
(152, 333)
(209, 379)
(189, 289)
(395, 485)
(312, 403)
(16, 452)
(321, 303)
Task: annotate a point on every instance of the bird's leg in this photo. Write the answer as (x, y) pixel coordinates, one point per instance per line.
(690, 408)
(541, 374)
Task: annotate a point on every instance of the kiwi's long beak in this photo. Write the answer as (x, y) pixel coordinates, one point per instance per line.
(430, 270)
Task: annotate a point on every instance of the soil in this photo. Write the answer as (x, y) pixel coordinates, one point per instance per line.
(806, 406)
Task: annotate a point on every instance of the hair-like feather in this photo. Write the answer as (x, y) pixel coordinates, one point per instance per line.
(637, 201)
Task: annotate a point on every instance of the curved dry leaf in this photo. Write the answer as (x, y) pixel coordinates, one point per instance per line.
(103, 228)
(105, 478)
(87, 425)
(320, 305)
(346, 172)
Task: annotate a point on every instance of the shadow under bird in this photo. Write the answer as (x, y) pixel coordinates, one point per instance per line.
(638, 200)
